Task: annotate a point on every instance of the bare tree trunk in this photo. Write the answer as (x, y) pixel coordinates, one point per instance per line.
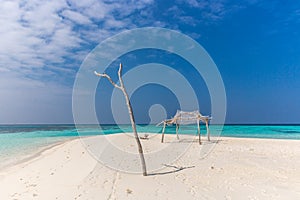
(133, 125)
(130, 111)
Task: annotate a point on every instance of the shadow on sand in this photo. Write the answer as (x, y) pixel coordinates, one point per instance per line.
(176, 169)
(194, 141)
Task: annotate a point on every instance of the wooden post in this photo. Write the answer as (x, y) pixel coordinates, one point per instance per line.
(177, 127)
(207, 130)
(163, 133)
(199, 135)
(130, 111)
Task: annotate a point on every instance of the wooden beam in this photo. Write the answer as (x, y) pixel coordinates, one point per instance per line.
(207, 130)
(199, 135)
(163, 133)
(177, 127)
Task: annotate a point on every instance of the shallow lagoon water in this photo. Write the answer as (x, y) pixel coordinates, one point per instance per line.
(21, 141)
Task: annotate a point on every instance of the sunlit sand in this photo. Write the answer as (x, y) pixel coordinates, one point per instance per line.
(234, 169)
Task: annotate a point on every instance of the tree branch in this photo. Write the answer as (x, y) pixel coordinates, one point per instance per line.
(108, 77)
(120, 75)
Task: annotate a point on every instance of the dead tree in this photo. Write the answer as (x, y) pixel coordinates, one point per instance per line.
(132, 120)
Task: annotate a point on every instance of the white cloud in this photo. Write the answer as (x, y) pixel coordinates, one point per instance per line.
(76, 17)
(42, 45)
(113, 23)
(37, 33)
(209, 11)
(197, 4)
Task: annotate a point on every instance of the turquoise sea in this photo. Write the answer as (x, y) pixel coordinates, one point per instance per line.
(18, 142)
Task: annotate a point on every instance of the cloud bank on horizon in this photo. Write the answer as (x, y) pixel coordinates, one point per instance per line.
(43, 43)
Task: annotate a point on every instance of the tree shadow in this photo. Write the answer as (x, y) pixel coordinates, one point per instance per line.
(194, 141)
(177, 169)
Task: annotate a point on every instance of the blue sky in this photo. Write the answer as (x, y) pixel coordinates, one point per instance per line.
(255, 44)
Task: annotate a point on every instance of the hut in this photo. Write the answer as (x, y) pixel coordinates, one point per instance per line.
(183, 118)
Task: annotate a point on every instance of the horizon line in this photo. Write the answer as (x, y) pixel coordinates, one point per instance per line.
(233, 124)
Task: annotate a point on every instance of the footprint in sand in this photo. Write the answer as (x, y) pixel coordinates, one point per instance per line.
(181, 177)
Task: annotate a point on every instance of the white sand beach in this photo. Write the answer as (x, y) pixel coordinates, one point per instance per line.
(236, 168)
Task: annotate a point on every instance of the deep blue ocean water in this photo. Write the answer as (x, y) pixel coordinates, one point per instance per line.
(19, 141)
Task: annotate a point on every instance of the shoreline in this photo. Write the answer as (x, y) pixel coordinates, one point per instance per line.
(36, 154)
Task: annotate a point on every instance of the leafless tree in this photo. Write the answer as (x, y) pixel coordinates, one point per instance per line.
(132, 120)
